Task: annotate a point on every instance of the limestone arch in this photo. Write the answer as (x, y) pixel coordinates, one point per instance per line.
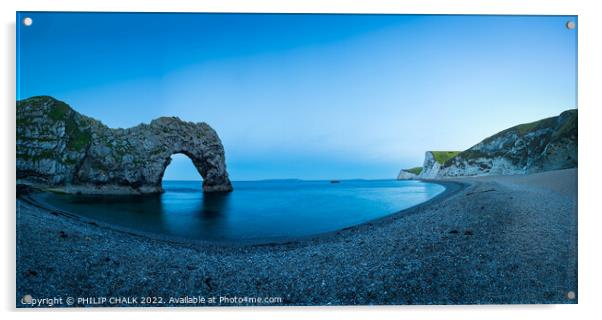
(207, 165)
(186, 155)
(86, 156)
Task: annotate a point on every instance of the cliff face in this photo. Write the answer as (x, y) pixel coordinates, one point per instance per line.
(433, 160)
(431, 167)
(548, 144)
(404, 175)
(409, 174)
(60, 148)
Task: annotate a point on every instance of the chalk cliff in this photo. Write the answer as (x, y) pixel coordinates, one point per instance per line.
(405, 175)
(59, 148)
(433, 161)
(548, 144)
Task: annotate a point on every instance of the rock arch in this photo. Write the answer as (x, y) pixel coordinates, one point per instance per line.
(169, 161)
(58, 147)
(206, 167)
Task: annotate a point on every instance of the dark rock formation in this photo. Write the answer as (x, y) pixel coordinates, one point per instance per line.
(548, 144)
(60, 148)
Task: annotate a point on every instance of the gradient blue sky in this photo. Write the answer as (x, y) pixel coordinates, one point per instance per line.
(306, 96)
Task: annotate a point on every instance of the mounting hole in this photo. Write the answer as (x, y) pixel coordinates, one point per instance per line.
(570, 295)
(27, 21)
(27, 299)
(571, 25)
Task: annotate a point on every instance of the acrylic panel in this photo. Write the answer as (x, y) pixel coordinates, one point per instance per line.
(222, 159)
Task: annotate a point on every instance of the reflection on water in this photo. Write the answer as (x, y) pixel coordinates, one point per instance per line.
(187, 211)
(257, 210)
(214, 204)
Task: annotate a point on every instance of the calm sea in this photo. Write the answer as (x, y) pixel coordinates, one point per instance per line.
(255, 211)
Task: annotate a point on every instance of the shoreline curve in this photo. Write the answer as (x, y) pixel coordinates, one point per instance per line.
(451, 188)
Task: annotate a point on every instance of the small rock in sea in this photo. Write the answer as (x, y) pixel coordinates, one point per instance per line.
(107, 259)
(62, 234)
(482, 207)
(468, 232)
(454, 231)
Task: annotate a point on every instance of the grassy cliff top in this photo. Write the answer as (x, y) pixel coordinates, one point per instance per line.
(551, 122)
(442, 156)
(415, 170)
(562, 126)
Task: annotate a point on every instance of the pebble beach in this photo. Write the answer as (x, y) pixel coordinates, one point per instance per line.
(485, 240)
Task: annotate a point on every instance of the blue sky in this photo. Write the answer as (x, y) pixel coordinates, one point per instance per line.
(306, 96)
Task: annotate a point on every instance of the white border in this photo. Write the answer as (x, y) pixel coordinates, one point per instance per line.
(590, 82)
